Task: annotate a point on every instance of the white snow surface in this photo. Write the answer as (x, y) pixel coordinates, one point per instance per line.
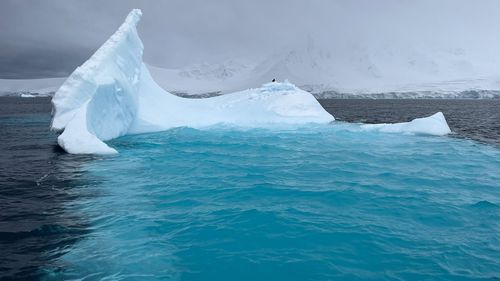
(113, 94)
(30, 87)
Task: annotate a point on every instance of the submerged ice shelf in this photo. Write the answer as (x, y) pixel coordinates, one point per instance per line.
(113, 94)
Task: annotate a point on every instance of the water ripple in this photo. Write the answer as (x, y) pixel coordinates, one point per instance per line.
(304, 204)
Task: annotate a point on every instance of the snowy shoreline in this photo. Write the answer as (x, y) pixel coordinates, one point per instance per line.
(421, 95)
(41, 87)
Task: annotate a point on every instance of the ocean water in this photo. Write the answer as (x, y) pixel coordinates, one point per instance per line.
(329, 202)
(471, 119)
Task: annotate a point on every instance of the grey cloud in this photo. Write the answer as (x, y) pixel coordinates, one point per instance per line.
(52, 37)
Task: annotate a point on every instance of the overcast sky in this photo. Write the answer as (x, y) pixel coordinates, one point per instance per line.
(51, 37)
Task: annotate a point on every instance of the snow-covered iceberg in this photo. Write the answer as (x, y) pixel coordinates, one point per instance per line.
(113, 94)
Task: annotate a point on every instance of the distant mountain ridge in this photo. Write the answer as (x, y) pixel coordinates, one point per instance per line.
(30, 87)
(404, 71)
(343, 71)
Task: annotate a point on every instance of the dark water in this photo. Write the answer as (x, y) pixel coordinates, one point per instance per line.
(38, 180)
(472, 119)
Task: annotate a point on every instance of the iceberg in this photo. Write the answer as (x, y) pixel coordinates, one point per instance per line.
(113, 94)
(433, 125)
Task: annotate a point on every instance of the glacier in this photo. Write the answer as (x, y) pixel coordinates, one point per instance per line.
(113, 94)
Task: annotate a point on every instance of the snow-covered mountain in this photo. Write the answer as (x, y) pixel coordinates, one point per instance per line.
(391, 70)
(204, 78)
(347, 70)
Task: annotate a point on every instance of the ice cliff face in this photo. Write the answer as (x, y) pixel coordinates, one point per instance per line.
(99, 99)
(113, 94)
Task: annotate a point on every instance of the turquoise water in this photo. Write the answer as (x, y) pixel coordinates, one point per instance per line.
(310, 203)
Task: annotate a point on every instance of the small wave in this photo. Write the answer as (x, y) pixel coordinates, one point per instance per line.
(485, 205)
